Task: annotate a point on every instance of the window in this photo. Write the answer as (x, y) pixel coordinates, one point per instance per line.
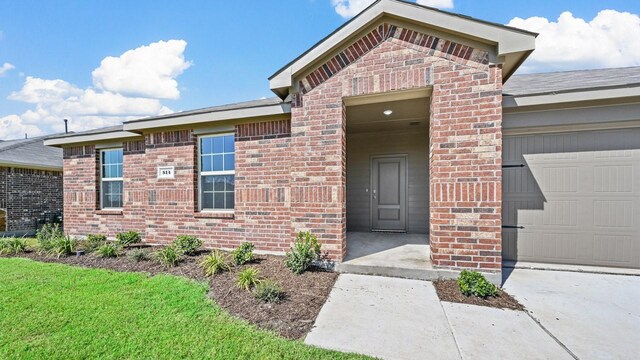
(217, 172)
(111, 179)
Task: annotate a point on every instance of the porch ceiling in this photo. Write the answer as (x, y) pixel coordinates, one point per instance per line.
(406, 114)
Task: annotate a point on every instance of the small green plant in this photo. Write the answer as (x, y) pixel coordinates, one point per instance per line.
(12, 246)
(168, 256)
(188, 245)
(139, 255)
(62, 245)
(94, 241)
(243, 254)
(305, 250)
(215, 263)
(248, 278)
(46, 236)
(474, 283)
(108, 250)
(128, 238)
(268, 291)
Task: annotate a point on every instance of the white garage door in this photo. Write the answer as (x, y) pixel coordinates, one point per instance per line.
(576, 200)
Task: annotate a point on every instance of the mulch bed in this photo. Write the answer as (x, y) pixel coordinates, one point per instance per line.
(292, 318)
(448, 290)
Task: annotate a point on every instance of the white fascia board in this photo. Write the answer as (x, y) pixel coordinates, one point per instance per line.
(90, 138)
(507, 41)
(258, 111)
(568, 97)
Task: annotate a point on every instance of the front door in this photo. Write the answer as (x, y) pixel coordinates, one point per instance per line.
(389, 193)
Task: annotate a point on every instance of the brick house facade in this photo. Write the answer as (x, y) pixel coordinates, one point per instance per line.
(30, 186)
(289, 156)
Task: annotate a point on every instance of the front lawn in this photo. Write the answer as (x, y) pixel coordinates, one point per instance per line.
(61, 311)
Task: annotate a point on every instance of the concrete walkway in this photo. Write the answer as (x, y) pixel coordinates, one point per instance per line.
(384, 317)
(596, 316)
(395, 318)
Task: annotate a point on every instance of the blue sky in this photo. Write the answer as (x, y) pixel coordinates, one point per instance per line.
(225, 50)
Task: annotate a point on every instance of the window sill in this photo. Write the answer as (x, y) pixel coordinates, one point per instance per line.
(214, 215)
(109, 212)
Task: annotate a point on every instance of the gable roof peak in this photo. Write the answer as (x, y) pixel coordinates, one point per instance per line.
(512, 45)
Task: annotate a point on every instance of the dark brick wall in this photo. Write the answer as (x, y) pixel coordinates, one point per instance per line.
(3, 199)
(29, 195)
(3, 188)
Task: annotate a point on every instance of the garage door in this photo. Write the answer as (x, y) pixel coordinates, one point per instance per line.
(572, 198)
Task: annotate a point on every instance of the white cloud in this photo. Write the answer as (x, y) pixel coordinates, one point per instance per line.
(148, 71)
(610, 39)
(5, 68)
(440, 4)
(36, 90)
(110, 101)
(12, 127)
(350, 8)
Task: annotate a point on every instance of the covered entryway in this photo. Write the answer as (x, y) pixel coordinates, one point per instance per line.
(388, 186)
(388, 166)
(572, 198)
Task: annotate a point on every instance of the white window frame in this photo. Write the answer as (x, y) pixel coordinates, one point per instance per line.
(213, 173)
(103, 179)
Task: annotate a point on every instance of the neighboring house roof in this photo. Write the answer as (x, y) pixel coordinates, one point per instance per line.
(30, 153)
(512, 44)
(563, 81)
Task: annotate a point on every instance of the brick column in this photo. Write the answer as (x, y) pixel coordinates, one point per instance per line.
(318, 171)
(465, 163)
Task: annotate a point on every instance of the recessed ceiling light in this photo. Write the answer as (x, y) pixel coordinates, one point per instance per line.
(388, 112)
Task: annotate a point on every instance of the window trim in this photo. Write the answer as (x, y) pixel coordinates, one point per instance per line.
(214, 173)
(103, 179)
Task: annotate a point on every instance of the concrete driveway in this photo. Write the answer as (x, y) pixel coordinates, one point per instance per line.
(594, 316)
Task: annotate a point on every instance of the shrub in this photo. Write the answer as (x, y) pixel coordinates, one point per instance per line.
(268, 291)
(188, 245)
(474, 283)
(95, 241)
(168, 256)
(248, 278)
(62, 245)
(46, 235)
(243, 254)
(108, 250)
(139, 255)
(215, 263)
(128, 238)
(12, 246)
(305, 250)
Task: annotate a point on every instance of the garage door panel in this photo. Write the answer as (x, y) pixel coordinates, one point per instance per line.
(577, 198)
(613, 178)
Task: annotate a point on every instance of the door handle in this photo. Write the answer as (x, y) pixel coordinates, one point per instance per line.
(374, 194)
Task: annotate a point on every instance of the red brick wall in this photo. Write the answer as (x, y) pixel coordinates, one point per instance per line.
(162, 209)
(465, 140)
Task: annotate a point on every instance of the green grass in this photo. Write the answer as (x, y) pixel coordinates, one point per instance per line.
(57, 311)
